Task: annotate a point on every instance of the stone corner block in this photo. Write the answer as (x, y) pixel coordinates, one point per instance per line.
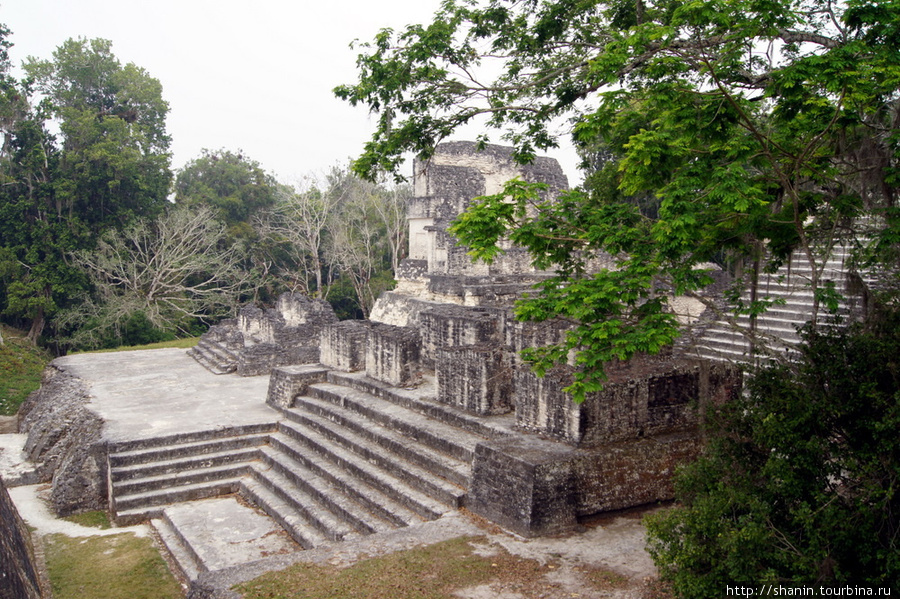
(525, 485)
(287, 382)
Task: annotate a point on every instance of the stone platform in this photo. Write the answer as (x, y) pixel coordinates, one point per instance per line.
(160, 393)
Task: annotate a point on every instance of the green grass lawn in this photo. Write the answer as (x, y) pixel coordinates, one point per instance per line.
(121, 566)
(180, 343)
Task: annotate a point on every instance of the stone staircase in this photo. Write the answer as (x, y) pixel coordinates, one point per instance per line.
(779, 324)
(147, 475)
(215, 356)
(350, 457)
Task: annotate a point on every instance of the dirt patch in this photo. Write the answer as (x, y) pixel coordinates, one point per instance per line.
(8, 425)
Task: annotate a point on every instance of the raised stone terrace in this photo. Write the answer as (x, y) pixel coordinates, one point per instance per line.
(331, 456)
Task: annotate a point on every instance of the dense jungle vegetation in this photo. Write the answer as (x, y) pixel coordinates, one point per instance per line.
(93, 251)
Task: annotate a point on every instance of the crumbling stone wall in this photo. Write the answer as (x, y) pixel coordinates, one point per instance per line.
(263, 339)
(64, 441)
(445, 186)
(18, 573)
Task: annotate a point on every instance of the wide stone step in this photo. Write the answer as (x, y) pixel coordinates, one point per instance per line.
(453, 469)
(181, 478)
(306, 535)
(378, 507)
(330, 496)
(207, 460)
(191, 437)
(217, 534)
(407, 483)
(421, 400)
(432, 433)
(182, 450)
(133, 505)
(217, 351)
(211, 362)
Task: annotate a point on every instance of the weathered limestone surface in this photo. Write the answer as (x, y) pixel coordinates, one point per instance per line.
(392, 354)
(287, 382)
(260, 340)
(642, 398)
(635, 472)
(454, 326)
(288, 334)
(18, 574)
(526, 485)
(64, 440)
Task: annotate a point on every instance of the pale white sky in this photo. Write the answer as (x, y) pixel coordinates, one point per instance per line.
(251, 75)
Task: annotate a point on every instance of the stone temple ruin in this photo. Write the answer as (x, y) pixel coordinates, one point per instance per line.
(382, 424)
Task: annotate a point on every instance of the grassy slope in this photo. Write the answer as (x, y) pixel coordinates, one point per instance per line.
(21, 365)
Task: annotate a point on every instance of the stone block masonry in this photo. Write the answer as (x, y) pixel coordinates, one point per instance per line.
(643, 398)
(392, 355)
(477, 379)
(287, 382)
(343, 345)
(454, 326)
(260, 340)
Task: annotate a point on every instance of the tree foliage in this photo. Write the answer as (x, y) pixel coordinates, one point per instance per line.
(168, 273)
(114, 159)
(752, 130)
(799, 479)
(233, 184)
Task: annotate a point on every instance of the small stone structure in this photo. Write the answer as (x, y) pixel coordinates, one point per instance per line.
(440, 271)
(259, 340)
(18, 573)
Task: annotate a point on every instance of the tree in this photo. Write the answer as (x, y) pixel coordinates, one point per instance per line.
(300, 218)
(233, 184)
(365, 237)
(32, 275)
(114, 161)
(108, 166)
(171, 272)
(798, 482)
(754, 129)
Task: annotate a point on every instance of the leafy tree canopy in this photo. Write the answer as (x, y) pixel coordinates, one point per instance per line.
(752, 129)
(108, 165)
(229, 182)
(114, 160)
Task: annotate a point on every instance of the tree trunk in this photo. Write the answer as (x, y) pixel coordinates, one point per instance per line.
(37, 327)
